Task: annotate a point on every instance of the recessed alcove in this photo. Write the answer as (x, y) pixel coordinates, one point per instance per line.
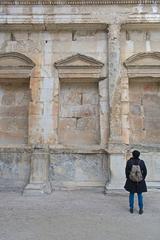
(15, 72)
(79, 100)
(79, 113)
(144, 95)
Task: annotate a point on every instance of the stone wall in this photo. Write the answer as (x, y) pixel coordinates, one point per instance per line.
(14, 168)
(79, 114)
(91, 96)
(14, 106)
(76, 170)
(144, 111)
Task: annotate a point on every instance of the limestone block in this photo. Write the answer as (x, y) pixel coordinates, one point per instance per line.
(90, 98)
(78, 137)
(117, 167)
(48, 108)
(72, 96)
(39, 166)
(59, 47)
(135, 109)
(154, 45)
(103, 90)
(15, 111)
(103, 107)
(14, 168)
(87, 124)
(129, 48)
(36, 108)
(46, 94)
(55, 109)
(8, 99)
(152, 161)
(79, 111)
(137, 123)
(47, 83)
(67, 124)
(78, 168)
(125, 108)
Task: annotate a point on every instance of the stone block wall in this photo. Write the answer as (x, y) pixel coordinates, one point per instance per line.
(79, 114)
(14, 107)
(144, 111)
(76, 170)
(14, 168)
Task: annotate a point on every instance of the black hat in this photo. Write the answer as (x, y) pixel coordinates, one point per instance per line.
(136, 154)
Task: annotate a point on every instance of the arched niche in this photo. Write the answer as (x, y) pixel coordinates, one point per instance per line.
(15, 73)
(143, 70)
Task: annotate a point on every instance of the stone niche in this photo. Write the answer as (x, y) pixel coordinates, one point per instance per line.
(144, 97)
(14, 102)
(72, 170)
(79, 113)
(15, 71)
(79, 117)
(145, 111)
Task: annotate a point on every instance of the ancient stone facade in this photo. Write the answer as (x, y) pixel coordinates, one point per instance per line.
(79, 90)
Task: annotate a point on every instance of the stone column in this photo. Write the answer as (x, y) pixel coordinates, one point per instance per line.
(125, 109)
(114, 82)
(115, 148)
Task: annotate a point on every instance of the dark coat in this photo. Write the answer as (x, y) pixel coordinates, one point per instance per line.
(131, 186)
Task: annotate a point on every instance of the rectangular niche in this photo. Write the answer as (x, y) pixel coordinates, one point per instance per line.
(144, 110)
(79, 113)
(14, 105)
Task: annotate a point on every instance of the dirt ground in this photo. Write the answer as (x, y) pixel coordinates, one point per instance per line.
(78, 215)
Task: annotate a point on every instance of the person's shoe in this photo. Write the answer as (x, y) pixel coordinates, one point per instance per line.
(140, 211)
(131, 210)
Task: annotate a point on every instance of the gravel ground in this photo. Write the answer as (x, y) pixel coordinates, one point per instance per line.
(78, 215)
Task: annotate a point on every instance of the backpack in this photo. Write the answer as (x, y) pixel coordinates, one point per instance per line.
(135, 173)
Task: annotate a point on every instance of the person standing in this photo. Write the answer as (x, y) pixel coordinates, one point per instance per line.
(136, 173)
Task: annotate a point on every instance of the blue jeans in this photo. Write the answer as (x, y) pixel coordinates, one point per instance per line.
(140, 200)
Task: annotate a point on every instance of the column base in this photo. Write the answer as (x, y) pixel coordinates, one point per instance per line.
(37, 189)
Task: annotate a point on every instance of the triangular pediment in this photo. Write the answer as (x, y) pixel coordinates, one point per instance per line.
(148, 59)
(79, 61)
(17, 60)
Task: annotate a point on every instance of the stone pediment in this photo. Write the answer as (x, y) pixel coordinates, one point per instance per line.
(11, 60)
(79, 61)
(15, 65)
(143, 64)
(80, 67)
(147, 59)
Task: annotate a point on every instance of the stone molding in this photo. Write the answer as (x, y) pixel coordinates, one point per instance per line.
(79, 61)
(15, 65)
(74, 2)
(79, 67)
(143, 65)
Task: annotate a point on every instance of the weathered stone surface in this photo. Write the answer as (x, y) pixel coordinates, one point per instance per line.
(14, 107)
(14, 169)
(81, 77)
(83, 169)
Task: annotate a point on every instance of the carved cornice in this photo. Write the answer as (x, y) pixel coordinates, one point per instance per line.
(75, 2)
(79, 68)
